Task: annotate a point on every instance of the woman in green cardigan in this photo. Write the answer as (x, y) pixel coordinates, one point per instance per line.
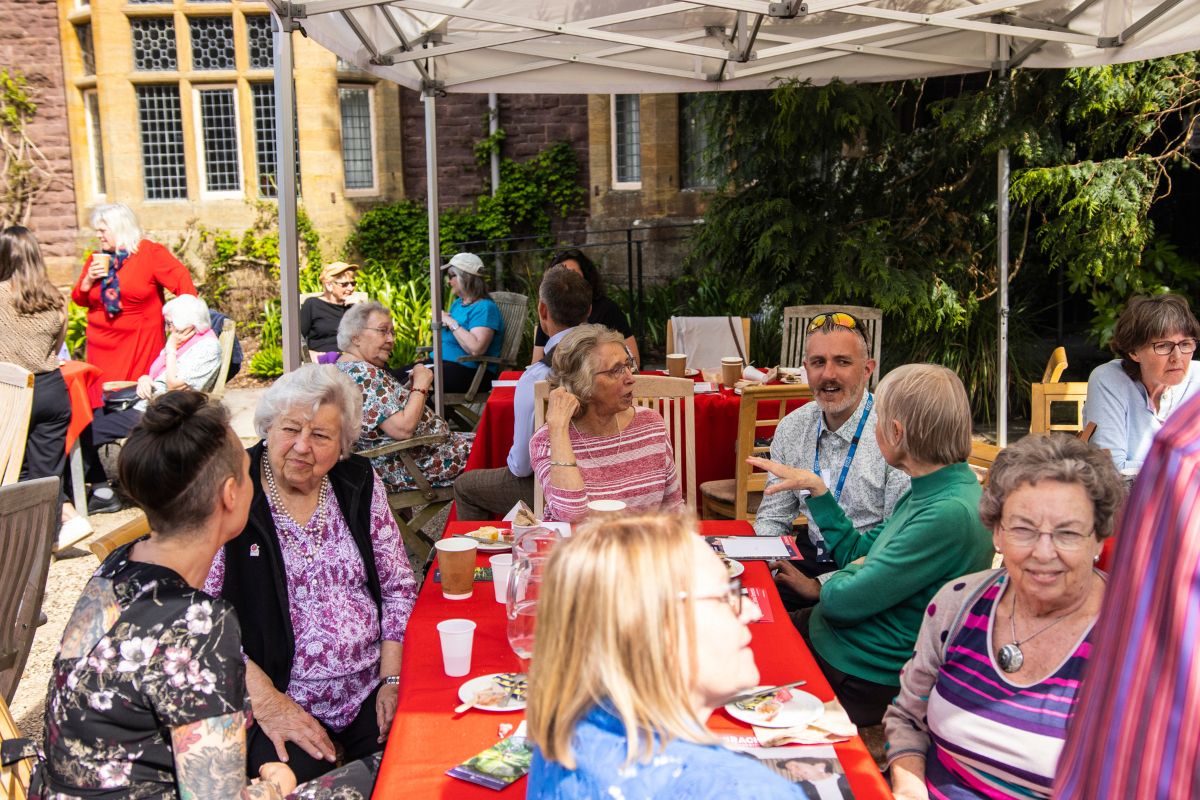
(864, 626)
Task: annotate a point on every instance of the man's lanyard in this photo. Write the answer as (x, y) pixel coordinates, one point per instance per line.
(862, 422)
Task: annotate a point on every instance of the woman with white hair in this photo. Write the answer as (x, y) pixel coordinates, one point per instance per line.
(864, 625)
(320, 581)
(190, 359)
(122, 287)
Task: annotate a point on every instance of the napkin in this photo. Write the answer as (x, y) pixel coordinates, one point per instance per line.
(832, 726)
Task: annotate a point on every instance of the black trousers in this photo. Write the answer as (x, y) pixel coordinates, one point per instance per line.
(358, 740)
(46, 442)
(456, 378)
(107, 427)
(864, 700)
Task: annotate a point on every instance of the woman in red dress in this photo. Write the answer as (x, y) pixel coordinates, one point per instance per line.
(122, 288)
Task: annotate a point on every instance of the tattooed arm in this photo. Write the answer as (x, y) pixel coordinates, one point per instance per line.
(210, 762)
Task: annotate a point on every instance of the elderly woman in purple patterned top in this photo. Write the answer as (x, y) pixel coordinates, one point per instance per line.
(319, 578)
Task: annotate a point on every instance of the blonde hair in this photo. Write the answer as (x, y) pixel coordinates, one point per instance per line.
(610, 623)
(121, 222)
(930, 403)
(574, 367)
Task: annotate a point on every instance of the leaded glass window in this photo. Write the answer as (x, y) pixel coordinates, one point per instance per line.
(219, 139)
(358, 157)
(154, 43)
(627, 139)
(262, 46)
(164, 170)
(212, 42)
(91, 103)
(265, 152)
(87, 50)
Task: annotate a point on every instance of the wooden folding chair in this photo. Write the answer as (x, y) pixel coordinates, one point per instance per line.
(123, 534)
(673, 398)
(795, 330)
(28, 521)
(1051, 391)
(227, 338)
(738, 497)
(16, 398)
(14, 779)
(983, 455)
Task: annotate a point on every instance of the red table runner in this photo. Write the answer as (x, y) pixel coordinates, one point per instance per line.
(427, 739)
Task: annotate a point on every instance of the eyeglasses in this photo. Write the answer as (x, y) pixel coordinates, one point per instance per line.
(1065, 541)
(345, 284)
(1164, 348)
(387, 333)
(839, 318)
(732, 596)
(618, 371)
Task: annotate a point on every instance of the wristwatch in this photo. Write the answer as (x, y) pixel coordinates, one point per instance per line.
(392, 680)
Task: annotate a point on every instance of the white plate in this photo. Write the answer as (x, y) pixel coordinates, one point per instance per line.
(489, 547)
(802, 709)
(691, 372)
(735, 567)
(467, 692)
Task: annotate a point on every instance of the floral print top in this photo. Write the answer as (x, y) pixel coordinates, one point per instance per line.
(143, 652)
(384, 396)
(336, 623)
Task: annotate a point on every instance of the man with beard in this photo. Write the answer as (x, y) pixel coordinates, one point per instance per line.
(834, 437)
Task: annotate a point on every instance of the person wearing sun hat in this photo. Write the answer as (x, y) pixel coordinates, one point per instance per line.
(321, 315)
(472, 327)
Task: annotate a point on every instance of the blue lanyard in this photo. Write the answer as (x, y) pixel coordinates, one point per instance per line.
(862, 422)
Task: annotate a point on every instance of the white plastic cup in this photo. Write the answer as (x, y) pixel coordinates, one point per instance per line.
(501, 566)
(457, 636)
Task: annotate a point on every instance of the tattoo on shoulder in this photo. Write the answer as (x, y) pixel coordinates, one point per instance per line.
(96, 611)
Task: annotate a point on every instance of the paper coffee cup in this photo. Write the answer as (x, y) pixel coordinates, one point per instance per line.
(731, 370)
(456, 561)
(676, 364)
(605, 508)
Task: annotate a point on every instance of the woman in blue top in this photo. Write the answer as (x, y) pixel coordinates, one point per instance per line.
(641, 634)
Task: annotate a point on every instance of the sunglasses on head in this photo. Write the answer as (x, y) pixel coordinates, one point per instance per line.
(838, 318)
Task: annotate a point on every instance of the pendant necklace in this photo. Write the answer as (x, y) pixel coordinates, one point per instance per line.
(318, 516)
(1010, 657)
(588, 450)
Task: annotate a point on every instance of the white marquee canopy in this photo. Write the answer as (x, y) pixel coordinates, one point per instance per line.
(643, 46)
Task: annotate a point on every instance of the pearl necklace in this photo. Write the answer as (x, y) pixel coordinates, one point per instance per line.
(319, 516)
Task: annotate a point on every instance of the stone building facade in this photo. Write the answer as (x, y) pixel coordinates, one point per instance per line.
(29, 45)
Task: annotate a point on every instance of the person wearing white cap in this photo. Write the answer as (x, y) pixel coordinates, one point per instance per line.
(473, 326)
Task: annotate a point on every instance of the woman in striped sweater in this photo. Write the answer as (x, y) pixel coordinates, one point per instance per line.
(596, 444)
(985, 700)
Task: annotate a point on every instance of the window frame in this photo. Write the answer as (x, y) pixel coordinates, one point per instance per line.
(198, 132)
(92, 126)
(169, 84)
(373, 189)
(619, 185)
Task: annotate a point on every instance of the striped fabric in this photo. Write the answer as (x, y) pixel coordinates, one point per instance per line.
(635, 466)
(992, 738)
(1137, 732)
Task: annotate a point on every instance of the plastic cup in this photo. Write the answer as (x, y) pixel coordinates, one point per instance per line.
(676, 364)
(501, 566)
(731, 370)
(456, 560)
(457, 636)
(605, 508)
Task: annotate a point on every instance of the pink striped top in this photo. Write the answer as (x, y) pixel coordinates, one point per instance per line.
(1137, 731)
(635, 466)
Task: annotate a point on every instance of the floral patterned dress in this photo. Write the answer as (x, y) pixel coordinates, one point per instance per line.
(143, 652)
(384, 396)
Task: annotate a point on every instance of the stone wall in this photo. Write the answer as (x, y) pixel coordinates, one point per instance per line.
(531, 122)
(29, 41)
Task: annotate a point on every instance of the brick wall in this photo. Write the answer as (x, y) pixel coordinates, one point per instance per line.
(29, 40)
(530, 121)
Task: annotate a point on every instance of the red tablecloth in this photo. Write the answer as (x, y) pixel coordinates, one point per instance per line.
(426, 739)
(716, 431)
(83, 387)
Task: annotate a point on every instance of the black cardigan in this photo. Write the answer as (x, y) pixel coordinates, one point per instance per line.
(256, 585)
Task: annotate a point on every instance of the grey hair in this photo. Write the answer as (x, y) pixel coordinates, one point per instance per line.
(930, 403)
(122, 222)
(306, 390)
(1054, 457)
(355, 320)
(574, 360)
(470, 287)
(188, 310)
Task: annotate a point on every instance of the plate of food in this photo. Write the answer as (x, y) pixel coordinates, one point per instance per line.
(735, 567)
(490, 538)
(784, 708)
(500, 691)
